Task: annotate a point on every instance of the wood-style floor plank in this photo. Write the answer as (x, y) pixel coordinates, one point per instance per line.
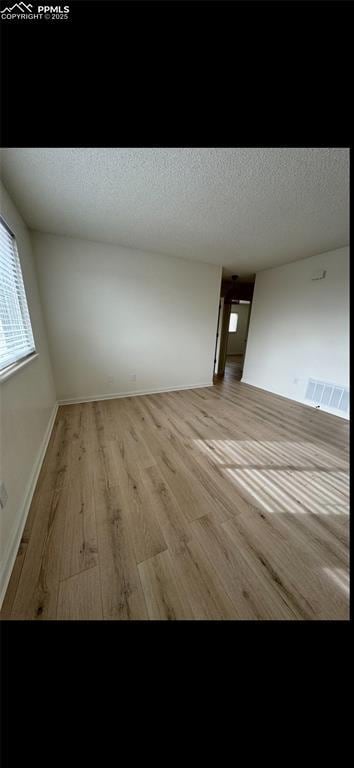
(80, 597)
(146, 534)
(239, 576)
(165, 596)
(122, 594)
(219, 503)
(79, 546)
(7, 606)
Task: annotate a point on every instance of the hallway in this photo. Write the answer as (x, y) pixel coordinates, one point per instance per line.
(233, 367)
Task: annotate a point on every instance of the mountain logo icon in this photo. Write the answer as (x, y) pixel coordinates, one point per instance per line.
(22, 7)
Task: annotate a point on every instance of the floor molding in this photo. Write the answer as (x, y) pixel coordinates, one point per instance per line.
(305, 403)
(114, 396)
(14, 543)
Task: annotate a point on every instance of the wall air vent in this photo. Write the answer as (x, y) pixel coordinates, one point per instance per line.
(329, 395)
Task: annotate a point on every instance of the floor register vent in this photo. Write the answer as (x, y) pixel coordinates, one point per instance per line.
(323, 393)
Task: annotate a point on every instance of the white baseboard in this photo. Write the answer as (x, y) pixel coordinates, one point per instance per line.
(324, 408)
(93, 398)
(14, 543)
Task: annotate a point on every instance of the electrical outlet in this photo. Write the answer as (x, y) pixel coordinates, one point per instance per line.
(132, 377)
(110, 381)
(3, 495)
(319, 275)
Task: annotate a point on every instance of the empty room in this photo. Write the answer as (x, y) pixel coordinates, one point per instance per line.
(174, 384)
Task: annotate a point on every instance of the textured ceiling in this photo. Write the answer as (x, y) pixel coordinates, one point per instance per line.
(246, 209)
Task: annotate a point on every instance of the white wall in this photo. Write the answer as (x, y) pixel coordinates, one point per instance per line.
(299, 328)
(236, 342)
(113, 312)
(27, 401)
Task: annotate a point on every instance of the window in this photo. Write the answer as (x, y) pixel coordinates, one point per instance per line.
(16, 337)
(233, 322)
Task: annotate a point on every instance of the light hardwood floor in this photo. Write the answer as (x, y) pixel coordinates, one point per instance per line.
(219, 503)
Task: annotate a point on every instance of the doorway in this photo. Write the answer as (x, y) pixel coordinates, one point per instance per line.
(232, 327)
(237, 338)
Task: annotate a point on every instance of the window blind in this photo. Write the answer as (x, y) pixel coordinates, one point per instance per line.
(16, 337)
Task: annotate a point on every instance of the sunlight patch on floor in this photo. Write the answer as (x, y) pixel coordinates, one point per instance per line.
(282, 476)
(340, 578)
